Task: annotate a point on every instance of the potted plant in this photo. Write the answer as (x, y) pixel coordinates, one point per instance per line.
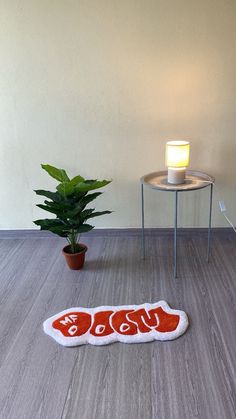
(69, 203)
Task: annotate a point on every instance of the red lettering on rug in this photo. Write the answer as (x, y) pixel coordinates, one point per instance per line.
(73, 324)
(101, 324)
(167, 322)
(146, 321)
(121, 323)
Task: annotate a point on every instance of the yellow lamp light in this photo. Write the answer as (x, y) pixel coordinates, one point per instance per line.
(177, 159)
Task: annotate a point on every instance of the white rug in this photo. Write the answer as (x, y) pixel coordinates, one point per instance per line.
(107, 324)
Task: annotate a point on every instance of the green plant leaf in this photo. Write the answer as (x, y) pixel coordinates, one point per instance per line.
(48, 223)
(48, 208)
(55, 226)
(59, 212)
(84, 228)
(76, 180)
(98, 213)
(84, 215)
(88, 198)
(60, 206)
(65, 189)
(54, 196)
(58, 174)
(77, 207)
(60, 231)
(91, 184)
(74, 211)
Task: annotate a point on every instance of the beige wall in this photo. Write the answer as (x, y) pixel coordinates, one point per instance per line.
(98, 87)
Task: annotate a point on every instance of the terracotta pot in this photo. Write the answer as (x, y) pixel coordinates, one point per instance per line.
(75, 260)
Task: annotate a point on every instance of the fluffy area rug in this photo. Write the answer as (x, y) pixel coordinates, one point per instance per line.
(108, 324)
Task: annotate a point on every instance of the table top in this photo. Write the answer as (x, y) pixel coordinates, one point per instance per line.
(194, 180)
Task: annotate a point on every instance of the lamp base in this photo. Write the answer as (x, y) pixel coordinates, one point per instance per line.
(176, 175)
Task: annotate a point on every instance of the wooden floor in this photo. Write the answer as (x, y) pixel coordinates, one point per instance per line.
(191, 377)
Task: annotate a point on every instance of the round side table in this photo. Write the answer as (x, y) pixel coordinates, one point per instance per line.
(194, 180)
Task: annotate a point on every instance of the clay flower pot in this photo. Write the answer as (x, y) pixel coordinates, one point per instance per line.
(75, 261)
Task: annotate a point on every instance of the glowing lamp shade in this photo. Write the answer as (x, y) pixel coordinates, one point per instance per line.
(177, 159)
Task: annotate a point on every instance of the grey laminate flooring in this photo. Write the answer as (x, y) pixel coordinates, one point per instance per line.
(191, 377)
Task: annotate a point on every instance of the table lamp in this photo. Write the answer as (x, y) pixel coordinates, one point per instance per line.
(177, 159)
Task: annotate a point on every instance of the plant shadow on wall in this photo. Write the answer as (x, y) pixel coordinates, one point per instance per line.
(69, 203)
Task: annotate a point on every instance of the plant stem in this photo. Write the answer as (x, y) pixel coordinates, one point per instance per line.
(73, 241)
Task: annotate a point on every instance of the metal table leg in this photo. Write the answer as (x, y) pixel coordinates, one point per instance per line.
(175, 234)
(143, 238)
(209, 223)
